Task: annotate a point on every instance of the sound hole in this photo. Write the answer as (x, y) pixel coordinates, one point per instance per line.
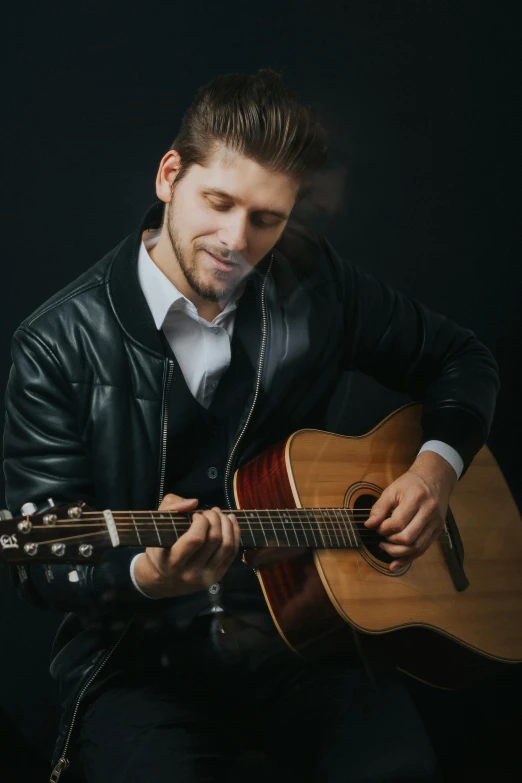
(370, 538)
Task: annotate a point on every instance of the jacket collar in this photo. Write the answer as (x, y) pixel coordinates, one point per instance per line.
(125, 292)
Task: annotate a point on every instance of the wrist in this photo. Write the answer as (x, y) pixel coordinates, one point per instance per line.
(431, 465)
(145, 576)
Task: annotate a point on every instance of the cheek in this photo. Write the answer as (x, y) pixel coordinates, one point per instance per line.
(192, 223)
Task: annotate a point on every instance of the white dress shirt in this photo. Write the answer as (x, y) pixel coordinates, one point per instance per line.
(202, 348)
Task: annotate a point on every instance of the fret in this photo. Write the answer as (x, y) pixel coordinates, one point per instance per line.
(156, 527)
(337, 526)
(308, 512)
(335, 543)
(355, 539)
(284, 528)
(254, 541)
(290, 519)
(284, 519)
(136, 529)
(342, 528)
(304, 533)
(262, 527)
(273, 527)
(348, 528)
(329, 514)
(174, 526)
(319, 525)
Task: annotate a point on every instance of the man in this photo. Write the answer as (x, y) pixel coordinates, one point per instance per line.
(216, 329)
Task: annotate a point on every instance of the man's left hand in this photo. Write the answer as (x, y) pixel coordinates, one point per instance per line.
(410, 513)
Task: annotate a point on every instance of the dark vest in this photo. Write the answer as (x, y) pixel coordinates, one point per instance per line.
(199, 442)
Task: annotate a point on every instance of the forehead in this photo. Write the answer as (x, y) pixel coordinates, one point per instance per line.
(245, 180)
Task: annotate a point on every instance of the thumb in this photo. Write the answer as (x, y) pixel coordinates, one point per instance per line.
(172, 502)
(380, 510)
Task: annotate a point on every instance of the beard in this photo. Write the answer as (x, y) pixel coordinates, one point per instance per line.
(222, 288)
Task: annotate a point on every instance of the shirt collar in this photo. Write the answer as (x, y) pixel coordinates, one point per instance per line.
(161, 294)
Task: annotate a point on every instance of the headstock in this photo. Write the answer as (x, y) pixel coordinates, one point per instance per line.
(68, 534)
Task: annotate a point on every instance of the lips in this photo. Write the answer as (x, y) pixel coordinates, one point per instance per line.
(222, 260)
(219, 263)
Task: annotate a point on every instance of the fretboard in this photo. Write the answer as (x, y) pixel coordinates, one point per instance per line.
(318, 528)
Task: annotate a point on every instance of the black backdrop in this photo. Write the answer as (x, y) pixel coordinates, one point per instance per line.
(419, 101)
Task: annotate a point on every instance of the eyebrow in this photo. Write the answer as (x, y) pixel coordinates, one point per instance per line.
(223, 194)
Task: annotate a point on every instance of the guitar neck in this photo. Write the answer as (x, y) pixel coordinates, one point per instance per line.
(327, 528)
(75, 533)
(320, 528)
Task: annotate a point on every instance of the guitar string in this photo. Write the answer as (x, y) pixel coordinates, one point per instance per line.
(235, 511)
(152, 530)
(306, 517)
(170, 525)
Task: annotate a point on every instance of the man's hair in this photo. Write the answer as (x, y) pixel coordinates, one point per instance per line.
(256, 116)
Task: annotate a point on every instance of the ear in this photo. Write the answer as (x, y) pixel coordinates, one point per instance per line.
(168, 170)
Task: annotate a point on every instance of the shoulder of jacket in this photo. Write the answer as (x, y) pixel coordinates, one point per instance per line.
(89, 283)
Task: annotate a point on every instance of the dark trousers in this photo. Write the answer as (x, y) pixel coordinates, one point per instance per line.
(185, 714)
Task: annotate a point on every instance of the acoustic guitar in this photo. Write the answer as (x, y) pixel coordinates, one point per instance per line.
(453, 614)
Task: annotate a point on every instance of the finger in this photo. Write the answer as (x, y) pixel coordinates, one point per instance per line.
(172, 502)
(427, 539)
(401, 518)
(412, 528)
(212, 541)
(190, 543)
(224, 555)
(414, 549)
(381, 509)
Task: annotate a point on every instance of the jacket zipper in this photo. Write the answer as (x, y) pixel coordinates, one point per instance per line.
(258, 384)
(63, 762)
(164, 434)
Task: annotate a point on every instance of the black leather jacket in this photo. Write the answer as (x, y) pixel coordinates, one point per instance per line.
(85, 403)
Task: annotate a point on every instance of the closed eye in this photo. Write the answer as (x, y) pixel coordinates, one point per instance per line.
(255, 220)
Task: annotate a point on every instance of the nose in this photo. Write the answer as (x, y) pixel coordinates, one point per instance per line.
(233, 233)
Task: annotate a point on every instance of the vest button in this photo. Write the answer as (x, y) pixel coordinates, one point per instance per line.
(213, 589)
(212, 473)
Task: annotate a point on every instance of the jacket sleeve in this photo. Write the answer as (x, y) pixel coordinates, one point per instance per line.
(414, 350)
(44, 456)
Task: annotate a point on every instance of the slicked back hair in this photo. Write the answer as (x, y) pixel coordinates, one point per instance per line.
(256, 116)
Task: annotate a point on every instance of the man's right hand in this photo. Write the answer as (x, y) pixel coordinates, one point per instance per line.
(199, 558)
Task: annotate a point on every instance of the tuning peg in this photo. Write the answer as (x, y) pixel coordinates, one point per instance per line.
(28, 509)
(51, 503)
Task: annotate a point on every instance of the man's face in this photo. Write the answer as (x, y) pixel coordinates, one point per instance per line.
(231, 209)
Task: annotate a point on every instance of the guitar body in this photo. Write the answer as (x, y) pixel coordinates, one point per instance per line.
(333, 602)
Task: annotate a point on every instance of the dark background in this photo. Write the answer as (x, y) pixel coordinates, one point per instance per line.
(422, 189)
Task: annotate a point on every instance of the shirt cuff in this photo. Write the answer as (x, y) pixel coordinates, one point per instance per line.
(133, 577)
(446, 451)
